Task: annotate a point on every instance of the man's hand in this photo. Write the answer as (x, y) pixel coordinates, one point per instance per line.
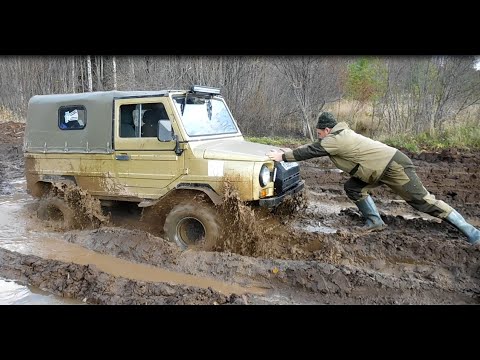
(275, 155)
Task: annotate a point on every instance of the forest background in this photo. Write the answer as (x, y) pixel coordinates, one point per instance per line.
(408, 101)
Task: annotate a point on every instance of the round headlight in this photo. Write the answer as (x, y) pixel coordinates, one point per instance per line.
(264, 177)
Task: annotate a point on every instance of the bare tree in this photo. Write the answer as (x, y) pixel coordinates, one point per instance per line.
(313, 81)
(114, 73)
(74, 83)
(423, 93)
(99, 72)
(89, 73)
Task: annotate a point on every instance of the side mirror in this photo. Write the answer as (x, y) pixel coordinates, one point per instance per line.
(165, 134)
(165, 131)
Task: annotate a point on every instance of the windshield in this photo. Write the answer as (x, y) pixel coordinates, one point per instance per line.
(204, 116)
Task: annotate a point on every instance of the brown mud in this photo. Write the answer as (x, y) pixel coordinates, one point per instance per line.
(317, 255)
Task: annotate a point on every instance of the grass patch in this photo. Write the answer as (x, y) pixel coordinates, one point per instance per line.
(7, 115)
(276, 141)
(461, 137)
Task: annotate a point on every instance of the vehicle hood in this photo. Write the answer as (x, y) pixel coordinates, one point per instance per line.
(239, 150)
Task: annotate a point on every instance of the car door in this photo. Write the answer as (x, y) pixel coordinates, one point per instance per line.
(145, 166)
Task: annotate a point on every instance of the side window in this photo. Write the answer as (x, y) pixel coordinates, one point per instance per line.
(72, 117)
(127, 125)
(141, 120)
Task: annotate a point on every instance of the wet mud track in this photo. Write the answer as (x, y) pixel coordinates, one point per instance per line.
(316, 256)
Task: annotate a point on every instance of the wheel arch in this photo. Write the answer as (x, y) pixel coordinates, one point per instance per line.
(46, 183)
(205, 188)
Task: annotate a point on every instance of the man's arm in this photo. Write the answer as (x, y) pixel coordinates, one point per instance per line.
(301, 153)
(306, 152)
(277, 155)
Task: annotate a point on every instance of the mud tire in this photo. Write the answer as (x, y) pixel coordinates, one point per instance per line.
(56, 209)
(193, 223)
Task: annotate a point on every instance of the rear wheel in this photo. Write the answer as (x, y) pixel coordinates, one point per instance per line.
(193, 223)
(56, 209)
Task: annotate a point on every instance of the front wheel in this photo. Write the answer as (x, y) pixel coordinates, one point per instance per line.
(193, 223)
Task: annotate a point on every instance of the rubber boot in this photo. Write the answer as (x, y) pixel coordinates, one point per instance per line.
(369, 211)
(461, 224)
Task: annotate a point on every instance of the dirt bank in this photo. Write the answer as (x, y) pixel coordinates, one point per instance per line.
(316, 256)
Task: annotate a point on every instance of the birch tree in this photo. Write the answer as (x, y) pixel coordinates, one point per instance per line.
(89, 73)
(114, 73)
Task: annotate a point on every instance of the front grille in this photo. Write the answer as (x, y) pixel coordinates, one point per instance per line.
(288, 175)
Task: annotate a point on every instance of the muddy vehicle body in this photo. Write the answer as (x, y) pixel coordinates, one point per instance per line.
(145, 147)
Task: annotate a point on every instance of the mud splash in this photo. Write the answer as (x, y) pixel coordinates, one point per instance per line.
(69, 207)
(267, 233)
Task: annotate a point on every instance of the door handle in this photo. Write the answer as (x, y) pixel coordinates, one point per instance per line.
(122, 157)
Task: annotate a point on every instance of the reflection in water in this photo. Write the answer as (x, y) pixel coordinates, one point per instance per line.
(13, 293)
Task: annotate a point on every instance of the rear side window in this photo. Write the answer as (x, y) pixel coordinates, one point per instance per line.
(72, 117)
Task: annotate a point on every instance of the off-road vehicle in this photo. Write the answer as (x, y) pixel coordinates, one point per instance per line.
(148, 146)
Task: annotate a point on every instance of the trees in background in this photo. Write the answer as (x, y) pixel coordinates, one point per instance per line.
(271, 95)
(422, 94)
(312, 82)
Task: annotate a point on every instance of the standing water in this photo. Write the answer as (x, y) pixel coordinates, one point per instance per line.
(22, 232)
(13, 236)
(13, 293)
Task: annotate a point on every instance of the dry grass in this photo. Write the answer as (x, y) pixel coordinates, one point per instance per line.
(7, 115)
(357, 115)
(344, 110)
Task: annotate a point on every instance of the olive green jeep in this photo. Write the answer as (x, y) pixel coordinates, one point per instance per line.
(146, 146)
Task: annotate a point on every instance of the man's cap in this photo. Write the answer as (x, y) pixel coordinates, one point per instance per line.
(326, 120)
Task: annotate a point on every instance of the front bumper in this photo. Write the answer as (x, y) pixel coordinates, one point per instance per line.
(276, 200)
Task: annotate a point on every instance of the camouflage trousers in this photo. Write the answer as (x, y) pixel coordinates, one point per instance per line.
(400, 176)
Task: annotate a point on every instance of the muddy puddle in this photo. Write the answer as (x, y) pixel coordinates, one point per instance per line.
(13, 293)
(22, 232)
